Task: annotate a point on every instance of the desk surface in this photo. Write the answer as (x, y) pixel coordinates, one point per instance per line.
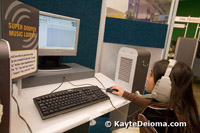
(62, 122)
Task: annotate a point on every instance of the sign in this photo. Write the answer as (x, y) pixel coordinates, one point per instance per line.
(179, 26)
(23, 62)
(20, 28)
(187, 19)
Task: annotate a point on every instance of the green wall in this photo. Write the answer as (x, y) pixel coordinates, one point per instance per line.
(187, 8)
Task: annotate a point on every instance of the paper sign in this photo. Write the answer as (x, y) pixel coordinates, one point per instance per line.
(23, 62)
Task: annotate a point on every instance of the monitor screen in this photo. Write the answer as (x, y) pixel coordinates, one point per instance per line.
(58, 35)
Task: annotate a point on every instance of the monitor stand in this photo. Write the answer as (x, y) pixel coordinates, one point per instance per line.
(51, 63)
(77, 72)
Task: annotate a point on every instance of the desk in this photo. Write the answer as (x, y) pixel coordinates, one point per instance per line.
(62, 122)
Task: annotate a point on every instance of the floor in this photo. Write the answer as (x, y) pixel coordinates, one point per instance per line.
(99, 127)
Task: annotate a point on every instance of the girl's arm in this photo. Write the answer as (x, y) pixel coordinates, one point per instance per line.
(139, 101)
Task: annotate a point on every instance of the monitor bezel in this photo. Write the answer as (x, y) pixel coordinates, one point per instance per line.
(60, 52)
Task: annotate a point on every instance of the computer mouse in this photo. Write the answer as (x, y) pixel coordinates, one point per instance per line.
(111, 90)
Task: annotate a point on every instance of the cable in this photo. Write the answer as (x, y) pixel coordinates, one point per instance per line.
(59, 85)
(84, 84)
(79, 84)
(112, 103)
(64, 78)
(18, 110)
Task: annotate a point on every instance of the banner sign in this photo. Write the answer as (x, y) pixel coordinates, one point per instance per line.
(187, 19)
(179, 26)
(20, 28)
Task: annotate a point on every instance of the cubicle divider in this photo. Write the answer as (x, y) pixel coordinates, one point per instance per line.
(196, 60)
(185, 50)
(132, 32)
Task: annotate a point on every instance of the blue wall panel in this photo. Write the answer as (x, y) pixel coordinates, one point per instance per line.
(139, 33)
(88, 11)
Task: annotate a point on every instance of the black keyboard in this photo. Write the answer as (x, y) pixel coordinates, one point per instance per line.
(57, 103)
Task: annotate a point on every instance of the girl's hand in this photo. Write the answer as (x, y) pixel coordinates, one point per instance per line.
(119, 91)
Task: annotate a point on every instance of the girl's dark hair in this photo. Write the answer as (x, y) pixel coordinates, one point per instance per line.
(182, 99)
(159, 69)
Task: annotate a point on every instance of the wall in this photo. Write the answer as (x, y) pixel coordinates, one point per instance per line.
(187, 8)
(88, 11)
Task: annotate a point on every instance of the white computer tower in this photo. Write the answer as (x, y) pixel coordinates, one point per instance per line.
(131, 71)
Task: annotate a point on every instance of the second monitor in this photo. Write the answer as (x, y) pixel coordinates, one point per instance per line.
(58, 36)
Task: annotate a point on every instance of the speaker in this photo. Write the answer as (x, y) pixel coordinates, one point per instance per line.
(162, 90)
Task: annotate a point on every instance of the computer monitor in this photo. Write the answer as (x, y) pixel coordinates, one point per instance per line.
(58, 36)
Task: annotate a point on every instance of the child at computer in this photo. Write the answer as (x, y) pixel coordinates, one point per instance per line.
(156, 73)
(181, 106)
